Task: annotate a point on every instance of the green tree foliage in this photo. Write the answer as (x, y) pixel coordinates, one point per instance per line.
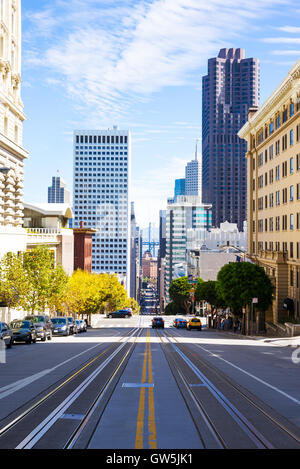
(44, 281)
(239, 282)
(180, 294)
(207, 291)
(12, 281)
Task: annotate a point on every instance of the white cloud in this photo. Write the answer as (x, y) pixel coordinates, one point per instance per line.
(114, 54)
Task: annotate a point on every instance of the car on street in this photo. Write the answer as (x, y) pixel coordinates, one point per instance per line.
(78, 326)
(83, 325)
(122, 313)
(194, 323)
(23, 331)
(158, 322)
(6, 334)
(73, 327)
(43, 326)
(60, 326)
(180, 323)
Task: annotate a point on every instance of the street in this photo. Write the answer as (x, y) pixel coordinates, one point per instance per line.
(125, 385)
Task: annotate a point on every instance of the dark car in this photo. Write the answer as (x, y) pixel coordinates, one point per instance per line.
(43, 326)
(122, 313)
(158, 322)
(60, 326)
(180, 323)
(6, 334)
(23, 331)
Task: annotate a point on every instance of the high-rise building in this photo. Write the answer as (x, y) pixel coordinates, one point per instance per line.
(230, 88)
(179, 188)
(188, 212)
(57, 193)
(161, 259)
(273, 157)
(102, 161)
(12, 154)
(193, 176)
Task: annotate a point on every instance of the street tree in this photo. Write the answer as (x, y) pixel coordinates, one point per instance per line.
(207, 291)
(180, 294)
(13, 283)
(45, 282)
(239, 282)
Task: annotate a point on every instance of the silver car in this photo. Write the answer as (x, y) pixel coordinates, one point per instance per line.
(6, 334)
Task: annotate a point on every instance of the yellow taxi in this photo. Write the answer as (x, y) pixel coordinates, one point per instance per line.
(194, 323)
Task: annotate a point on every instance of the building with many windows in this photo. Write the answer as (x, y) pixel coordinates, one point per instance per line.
(230, 88)
(12, 153)
(102, 162)
(188, 212)
(58, 193)
(273, 163)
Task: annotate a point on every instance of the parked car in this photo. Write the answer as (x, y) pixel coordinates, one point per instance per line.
(72, 325)
(6, 334)
(23, 331)
(158, 322)
(194, 323)
(43, 326)
(83, 325)
(122, 313)
(60, 326)
(78, 326)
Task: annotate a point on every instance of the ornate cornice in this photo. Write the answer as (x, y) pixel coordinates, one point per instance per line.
(290, 84)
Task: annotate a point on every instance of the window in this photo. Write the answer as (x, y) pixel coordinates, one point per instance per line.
(291, 137)
(291, 193)
(291, 221)
(292, 165)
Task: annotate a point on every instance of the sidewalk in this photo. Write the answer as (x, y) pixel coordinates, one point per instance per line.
(276, 341)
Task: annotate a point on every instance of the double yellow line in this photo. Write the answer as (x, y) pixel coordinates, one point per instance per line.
(152, 441)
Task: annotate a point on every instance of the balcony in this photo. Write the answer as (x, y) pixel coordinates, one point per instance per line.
(43, 235)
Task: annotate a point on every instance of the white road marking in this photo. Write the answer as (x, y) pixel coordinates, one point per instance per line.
(17, 385)
(274, 388)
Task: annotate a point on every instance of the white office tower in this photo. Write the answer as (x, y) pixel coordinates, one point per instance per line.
(102, 164)
(193, 176)
(12, 155)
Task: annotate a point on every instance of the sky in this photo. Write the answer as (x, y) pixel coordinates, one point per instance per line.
(92, 64)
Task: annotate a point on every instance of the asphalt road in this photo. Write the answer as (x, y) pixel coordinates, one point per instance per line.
(127, 386)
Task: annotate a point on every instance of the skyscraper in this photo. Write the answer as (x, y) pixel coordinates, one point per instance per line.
(12, 154)
(102, 162)
(188, 212)
(230, 88)
(193, 176)
(57, 193)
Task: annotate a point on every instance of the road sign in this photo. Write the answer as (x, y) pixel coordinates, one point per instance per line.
(254, 300)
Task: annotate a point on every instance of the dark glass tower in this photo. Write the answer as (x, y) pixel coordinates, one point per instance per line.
(230, 88)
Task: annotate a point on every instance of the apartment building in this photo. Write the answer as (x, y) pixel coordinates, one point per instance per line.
(12, 154)
(273, 165)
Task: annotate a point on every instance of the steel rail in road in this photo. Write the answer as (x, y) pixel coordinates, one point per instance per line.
(13, 424)
(93, 407)
(253, 433)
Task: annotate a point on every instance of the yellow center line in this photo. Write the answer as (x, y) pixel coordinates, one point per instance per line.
(139, 442)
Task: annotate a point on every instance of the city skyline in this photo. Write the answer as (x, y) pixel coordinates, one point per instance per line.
(162, 108)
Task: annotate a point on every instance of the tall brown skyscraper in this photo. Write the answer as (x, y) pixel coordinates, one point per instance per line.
(230, 88)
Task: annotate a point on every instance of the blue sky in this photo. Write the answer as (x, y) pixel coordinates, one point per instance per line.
(90, 64)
